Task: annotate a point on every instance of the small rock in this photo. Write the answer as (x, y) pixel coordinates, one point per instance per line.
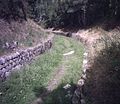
(69, 53)
(18, 53)
(2, 61)
(82, 101)
(84, 76)
(85, 54)
(81, 82)
(3, 76)
(84, 70)
(1, 66)
(7, 45)
(1, 93)
(1, 72)
(67, 86)
(7, 74)
(4, 70)
(85, 61)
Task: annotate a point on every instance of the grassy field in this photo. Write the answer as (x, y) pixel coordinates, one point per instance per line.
(25, 86)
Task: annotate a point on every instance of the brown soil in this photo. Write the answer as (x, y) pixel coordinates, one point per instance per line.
(54, 81)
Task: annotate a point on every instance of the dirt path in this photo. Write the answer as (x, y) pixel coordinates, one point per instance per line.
(54, 82)
(85, 36)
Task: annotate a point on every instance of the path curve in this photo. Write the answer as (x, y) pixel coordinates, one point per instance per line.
(54, 82)
(87, 39)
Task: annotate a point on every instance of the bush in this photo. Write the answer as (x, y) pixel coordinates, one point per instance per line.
(103, 77)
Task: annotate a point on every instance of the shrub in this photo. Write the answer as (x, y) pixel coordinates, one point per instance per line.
(103, 77)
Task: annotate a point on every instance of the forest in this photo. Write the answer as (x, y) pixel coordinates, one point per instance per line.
(61, 13)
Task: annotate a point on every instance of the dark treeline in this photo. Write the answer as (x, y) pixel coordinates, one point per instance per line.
(55, 13)
(13, 9)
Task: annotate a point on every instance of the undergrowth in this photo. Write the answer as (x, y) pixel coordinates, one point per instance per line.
(103, 81)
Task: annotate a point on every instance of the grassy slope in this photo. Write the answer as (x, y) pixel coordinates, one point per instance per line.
(26, 33)
(25, 86)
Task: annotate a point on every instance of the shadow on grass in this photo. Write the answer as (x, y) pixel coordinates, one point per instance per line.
(63, 94)
(102, 85)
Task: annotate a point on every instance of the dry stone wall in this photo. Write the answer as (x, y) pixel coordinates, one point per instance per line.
(79, 94)
(21, 57)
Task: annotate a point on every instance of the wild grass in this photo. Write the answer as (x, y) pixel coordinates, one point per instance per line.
(24, 87)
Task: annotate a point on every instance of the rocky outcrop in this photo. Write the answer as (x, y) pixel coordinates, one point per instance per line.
(15, 60)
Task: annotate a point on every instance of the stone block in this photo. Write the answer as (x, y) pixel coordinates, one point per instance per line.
(43, 49)
(7, 74)
(4, 70)
(11, 62)
(9, 68)
(1, 72)
(1, 66)
(2, 61)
